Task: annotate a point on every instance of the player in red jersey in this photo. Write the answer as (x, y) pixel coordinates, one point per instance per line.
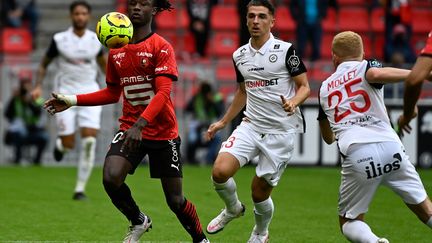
(142, 73)
(421, 70)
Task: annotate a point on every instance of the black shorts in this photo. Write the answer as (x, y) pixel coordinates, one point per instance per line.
(164, 156)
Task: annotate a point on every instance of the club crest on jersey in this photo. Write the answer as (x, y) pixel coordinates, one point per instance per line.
(273, 58)
(144, 62)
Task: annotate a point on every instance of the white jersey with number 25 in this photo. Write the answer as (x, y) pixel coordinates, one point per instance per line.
(354, 107)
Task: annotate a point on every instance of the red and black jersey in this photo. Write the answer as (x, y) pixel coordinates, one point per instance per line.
(134, 69)
(427, 50)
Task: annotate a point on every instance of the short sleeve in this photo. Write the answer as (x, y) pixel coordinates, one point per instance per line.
(165, 62)
(293, 63)
(239, 76)
(112, 77)
(52, 50)
(427, 50)
(374, 63)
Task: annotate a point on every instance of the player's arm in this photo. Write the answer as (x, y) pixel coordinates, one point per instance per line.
(421, 71)
(326, 132)
(234, 109)
(41, 72)
(386, 75)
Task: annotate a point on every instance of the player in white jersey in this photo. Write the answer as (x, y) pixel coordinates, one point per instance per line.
(352, 113)
(272, 84)
(76, 53)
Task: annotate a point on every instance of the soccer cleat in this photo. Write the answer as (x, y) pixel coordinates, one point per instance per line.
(258, 238)
(383, 240)
(79, 196)
(218, 223)
(136, 231)
(58, 155)
(205, 240)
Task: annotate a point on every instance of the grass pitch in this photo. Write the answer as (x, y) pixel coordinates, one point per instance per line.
(36, 205)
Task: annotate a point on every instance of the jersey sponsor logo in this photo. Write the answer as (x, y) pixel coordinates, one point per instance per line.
(135, 79)
(144, 54)
(256, 69)
(273, 58)
(175, 155)
(374, 170)
(375, 63)
(158, 69)
(344, 79)
(276, 46)
(261, 83)
(119, 55)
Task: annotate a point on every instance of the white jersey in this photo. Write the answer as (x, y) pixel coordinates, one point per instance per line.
(354, 107)
(77, 68)
(267, 75)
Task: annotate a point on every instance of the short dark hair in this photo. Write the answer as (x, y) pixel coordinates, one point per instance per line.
(79, 3)
(264, 3)
(162, 5)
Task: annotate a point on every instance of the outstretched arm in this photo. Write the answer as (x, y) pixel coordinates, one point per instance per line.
(386, 75)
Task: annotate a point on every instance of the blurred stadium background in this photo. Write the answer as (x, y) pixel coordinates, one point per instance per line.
(17, 55)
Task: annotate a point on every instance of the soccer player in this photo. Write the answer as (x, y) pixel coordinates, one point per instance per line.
(77, 53)
(142, 74)
(272, 84)
(420, 71)
(352, 113)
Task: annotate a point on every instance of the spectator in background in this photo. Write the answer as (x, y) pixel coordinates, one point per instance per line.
(23, 114)
(398, 49)
(15, 11)
(206, 106)
(199, 15)
(308, 15)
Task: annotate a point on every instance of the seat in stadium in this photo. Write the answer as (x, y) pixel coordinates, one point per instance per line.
(223, 44)
(172, 20)
(225, 73)
(326, 45)
(321, 70)
(354, 19)
(351, 3)
(377, 21)
(284, 21)
(16, 41)
(421, 20)
(329, 24)
(378, 47)
(224, 17)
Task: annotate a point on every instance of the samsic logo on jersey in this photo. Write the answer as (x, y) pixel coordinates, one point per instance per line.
(119, 55)
(135, 79)
(261, 83)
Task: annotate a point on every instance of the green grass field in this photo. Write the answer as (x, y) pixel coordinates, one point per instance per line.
(36, 205)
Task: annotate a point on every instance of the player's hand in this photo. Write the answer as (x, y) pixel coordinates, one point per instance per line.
(403, 123)
(288, 105)
(213, 128)
(59, 103)
(36, 92)
(133, 136)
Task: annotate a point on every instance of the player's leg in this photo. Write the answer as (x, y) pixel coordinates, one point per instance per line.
(404, 180)
(235, 152)
(66, 132)
(166, 163)
(116, 167)
(359, 182)
(89, 123)
(263, 209)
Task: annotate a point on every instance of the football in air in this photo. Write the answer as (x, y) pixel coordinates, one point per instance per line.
(114, 30)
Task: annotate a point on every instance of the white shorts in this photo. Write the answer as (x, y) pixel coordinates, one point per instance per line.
(367, 166)
(273, 150)
(86, 116)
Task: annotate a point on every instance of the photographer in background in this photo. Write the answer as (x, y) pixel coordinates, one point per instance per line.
(23, 114)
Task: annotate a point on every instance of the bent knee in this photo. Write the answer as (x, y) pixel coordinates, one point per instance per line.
(175, 203)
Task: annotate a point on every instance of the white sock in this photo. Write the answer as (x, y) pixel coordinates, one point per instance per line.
(263, 214)
(86, 162)
(228, 193)
(429, 222)
(59, 146)
(358, 231)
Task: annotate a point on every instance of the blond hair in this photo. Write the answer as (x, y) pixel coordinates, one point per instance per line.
(348, 45)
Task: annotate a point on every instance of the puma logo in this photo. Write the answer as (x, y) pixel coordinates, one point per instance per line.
(118, 63)
(165, 51)
(176, 166)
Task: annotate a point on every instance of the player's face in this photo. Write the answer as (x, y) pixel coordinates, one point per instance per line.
(259, 21)
(141, 12)
(80, 17)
